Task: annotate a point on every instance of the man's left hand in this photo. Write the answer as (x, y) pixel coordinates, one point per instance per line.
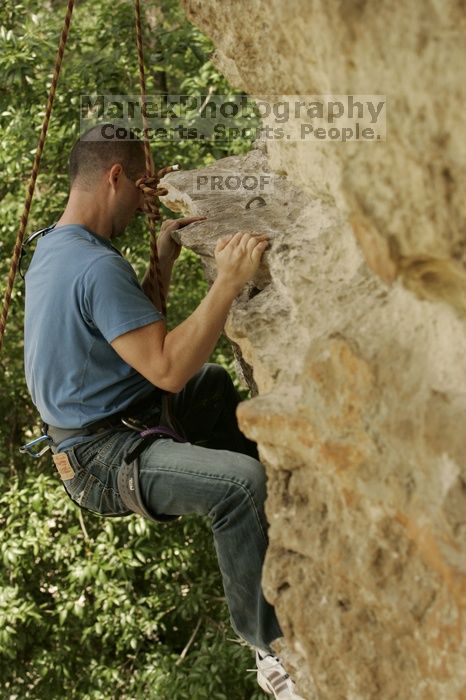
(167, 247)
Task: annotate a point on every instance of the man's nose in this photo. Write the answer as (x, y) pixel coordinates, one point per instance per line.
(141, 204)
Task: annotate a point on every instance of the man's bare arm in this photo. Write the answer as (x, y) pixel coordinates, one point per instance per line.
(168, 360)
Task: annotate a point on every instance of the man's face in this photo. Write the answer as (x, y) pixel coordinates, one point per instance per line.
(129, 200)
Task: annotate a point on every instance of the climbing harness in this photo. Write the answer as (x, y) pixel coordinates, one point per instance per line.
(128, 474)
(151, 188)
(129, 419)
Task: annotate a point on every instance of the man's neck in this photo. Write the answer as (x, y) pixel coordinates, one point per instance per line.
(82, 210)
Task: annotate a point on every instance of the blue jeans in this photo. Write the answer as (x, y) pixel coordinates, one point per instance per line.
(216, 473)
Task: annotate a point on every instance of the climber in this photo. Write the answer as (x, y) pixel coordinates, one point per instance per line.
(97, 351)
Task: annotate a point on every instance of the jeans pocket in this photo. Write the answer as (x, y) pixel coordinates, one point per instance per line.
(80, 485)
(94, 486)
(73, 485)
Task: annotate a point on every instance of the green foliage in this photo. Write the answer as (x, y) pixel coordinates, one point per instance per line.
(98, 608)
(90, 603)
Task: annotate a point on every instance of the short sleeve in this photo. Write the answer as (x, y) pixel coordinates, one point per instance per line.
(112, 298)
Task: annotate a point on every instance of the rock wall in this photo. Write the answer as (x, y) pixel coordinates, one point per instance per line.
(353, 338)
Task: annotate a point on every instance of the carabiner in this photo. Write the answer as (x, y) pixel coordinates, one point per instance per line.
(27, 448)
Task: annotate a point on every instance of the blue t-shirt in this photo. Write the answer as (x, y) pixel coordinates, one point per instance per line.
(81, 294)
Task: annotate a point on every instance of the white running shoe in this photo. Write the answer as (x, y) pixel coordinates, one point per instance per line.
(273, 678)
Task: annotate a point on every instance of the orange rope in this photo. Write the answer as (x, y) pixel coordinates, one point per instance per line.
(150, 183)
(35, 170)
(150, 186)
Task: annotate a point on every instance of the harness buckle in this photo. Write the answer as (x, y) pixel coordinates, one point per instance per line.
(133, 424)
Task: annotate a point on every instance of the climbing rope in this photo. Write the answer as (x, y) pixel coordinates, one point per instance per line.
(150, 183)
(35, 170)
(151, 188)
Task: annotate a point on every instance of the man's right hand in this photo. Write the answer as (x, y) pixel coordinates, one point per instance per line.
(168, 360)
(238, 257)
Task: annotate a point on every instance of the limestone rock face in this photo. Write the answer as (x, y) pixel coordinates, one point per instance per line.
(353, 339)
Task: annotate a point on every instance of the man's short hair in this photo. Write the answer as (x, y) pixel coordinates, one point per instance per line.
(101, 147)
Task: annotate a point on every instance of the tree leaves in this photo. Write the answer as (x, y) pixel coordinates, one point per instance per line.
(107, 615)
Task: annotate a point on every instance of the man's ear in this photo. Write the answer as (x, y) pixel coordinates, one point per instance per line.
(114, 174)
